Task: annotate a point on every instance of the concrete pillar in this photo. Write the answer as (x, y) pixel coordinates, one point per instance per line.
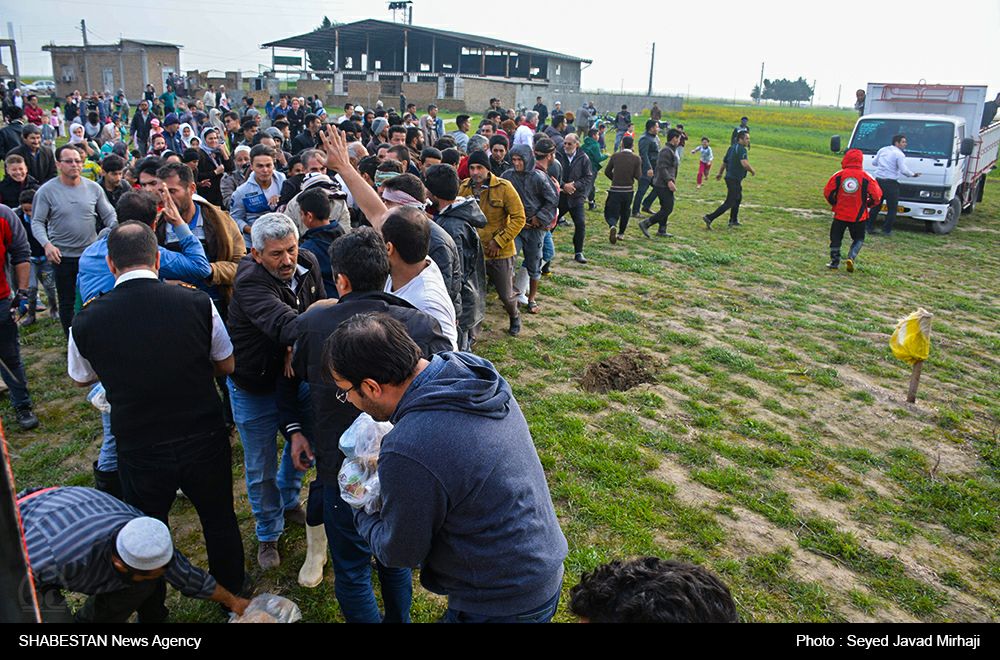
(336, 52)
(406, 50)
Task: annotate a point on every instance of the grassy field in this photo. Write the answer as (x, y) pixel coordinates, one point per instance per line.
(775, 445)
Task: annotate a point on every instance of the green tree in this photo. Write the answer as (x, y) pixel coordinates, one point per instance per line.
(755, 94)
(321, 60)
(792, 92)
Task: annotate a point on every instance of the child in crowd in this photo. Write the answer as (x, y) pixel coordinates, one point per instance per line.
(48, 133)
(42, 271)
(56, 120)
(704, 159)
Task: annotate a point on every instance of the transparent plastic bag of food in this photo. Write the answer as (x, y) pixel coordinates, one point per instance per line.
(363, 437)
(359, 485)
(268, 608)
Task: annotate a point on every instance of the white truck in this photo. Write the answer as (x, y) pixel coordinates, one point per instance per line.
(946, 146)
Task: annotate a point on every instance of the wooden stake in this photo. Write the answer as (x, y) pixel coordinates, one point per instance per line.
(911, 396)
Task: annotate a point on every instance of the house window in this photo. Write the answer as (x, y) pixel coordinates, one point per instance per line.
(558, 69)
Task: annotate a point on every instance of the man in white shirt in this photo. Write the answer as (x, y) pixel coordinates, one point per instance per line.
(890, 164)
(413, 276)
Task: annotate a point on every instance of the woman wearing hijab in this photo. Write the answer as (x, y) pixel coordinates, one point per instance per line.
(213, 162)
(186, 134)
(215, 119)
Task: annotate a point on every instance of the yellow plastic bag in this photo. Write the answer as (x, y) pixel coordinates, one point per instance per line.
(911, 342)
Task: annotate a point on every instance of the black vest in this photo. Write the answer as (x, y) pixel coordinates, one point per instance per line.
(150, 344)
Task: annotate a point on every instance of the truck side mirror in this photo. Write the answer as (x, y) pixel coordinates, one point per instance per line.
(835, 144)
(968, 146)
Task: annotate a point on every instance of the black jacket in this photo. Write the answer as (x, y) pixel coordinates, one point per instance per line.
(445, 254)
(10, 190)
(206, 170)
(540, 199)
(461, 221)
(304, 140)
(263, 319)
(331, 417)
(10, 136)
(41, 168)
(579, 172)
(140, 127)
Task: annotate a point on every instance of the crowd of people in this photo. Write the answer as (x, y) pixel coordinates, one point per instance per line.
(279, 272)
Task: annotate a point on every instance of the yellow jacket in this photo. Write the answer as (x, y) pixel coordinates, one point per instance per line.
(504, 213)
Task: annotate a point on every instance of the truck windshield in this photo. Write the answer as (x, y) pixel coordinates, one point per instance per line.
(931, 139)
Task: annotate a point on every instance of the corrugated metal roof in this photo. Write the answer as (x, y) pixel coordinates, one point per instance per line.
(322, 38)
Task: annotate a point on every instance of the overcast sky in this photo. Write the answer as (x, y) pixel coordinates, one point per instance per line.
(703, 49)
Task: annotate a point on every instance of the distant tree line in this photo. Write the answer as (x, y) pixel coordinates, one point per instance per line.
(792, 92)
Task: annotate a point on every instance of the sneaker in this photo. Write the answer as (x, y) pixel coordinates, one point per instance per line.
(663, 234)
(267, 555)
(636, 216)
(708, 221)
(613, 236)
(648, 211)
(515, 326)
(591, 205)
(296, 515)
(644, 228)
(26, 419)
(522, 299)
(547, 269)
(833, 265)
(736, 224)
(621, 237)
(580, 259)
(850, 265)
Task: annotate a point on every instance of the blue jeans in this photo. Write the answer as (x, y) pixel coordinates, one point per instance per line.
(10, 353)
(352, 569)
(530, 244)
(548, 248)
(541, 614)
(107, 459)
(272, 488)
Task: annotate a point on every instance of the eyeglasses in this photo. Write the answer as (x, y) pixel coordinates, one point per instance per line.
(342, 394)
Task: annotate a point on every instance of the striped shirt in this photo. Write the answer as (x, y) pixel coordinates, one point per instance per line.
(70, 533)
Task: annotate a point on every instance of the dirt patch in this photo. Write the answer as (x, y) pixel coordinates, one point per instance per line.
(619, 372)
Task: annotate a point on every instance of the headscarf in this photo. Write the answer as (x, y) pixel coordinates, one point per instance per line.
(215, 120)
(180, 131)
(212, 153)
(74, 137)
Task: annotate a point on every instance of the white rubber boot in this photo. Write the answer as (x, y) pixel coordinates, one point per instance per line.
(521, 282)
(311, 573)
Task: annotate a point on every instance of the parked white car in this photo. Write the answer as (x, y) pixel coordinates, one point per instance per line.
(41, 87)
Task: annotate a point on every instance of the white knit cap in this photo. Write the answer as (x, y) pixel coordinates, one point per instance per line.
(145, 544)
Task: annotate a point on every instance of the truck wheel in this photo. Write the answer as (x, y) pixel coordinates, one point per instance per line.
(950, 220)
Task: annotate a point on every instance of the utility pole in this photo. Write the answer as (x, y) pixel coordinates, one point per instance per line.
(838, 94)
(652, 61)
(760, 87)
(813, 97)
(86, 69)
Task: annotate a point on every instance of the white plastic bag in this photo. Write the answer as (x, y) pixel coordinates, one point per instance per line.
(268, 608)
(358, 477)
(363, 437)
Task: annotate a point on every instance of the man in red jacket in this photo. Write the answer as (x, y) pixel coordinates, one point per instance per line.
(851, 192)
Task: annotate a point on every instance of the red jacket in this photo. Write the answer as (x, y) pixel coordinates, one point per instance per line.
(852, 191)
(34, 115)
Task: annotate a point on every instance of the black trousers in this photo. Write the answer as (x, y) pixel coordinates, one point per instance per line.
(145, 597)
(734, 195)
(890, 197)
(576, 211)
(201, 466)
(617, 208)
(666, 197)
(66, 272)
(644, 184)
(837, 229)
